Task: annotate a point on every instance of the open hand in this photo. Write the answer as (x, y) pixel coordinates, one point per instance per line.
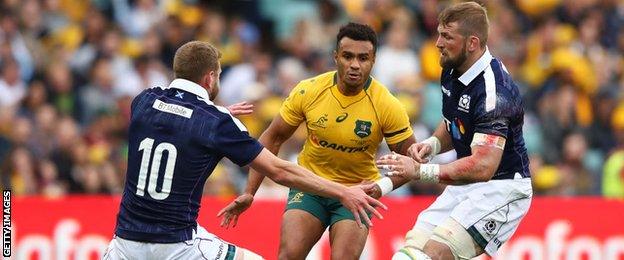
(356, 200)
(371, 188)
(232, 211)
(242, 108)
(421, 152)
(398, 165)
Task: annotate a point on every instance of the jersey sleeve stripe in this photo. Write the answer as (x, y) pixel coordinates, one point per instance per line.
(490, 89)
(395, 133)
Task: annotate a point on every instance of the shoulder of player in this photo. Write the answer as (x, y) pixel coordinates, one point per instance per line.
(380, 93)
(495, 96)
(218, 113)
(315, 85)
(494, 79)
(208, 108)
(146, 94)
(499, 74)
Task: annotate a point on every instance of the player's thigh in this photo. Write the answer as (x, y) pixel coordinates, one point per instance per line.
(492, 211)
(299, 233)
(120, 248)
(347, 239)
(115, 251)
(438, 211)
(303, 223)
(205, 245)
(338, 212)
(313, 204)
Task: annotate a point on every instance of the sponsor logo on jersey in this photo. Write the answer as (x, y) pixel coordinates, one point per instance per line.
(172, 108)
(320, 122)
(362, 128)
(457, 128)
(337, 147)
(464, 103)
(342, 117)
(342, 148)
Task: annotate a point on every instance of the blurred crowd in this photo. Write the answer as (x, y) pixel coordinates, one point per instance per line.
(70, 68)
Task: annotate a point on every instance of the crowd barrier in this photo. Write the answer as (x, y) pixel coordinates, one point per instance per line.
(80, 227)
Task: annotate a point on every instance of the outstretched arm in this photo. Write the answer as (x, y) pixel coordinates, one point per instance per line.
(439, 142)
(478, 167)
(383, 186)
(278, 132)
(272, 138)
(295, 176)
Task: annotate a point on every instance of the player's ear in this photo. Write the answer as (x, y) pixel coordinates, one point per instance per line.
(335, 57)
(206, 80)
(473, 43)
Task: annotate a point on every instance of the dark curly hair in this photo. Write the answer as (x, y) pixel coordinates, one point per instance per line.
(358, 32)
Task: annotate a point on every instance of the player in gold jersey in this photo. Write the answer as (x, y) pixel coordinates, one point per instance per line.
(347, 114)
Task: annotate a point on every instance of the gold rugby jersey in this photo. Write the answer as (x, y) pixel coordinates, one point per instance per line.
(344, 132)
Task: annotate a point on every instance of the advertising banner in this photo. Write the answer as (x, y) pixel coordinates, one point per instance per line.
(80, 227)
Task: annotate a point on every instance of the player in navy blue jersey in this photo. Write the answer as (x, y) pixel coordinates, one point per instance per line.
(489, 186)
(177, 135)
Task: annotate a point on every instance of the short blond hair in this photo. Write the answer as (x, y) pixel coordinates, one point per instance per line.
(471, 18)
(193, 59)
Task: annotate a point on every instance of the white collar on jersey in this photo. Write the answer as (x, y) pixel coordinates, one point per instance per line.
(192, 87)
(480, 65)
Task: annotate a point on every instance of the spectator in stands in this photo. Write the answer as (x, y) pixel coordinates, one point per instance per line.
(12, 87)
(49, 49)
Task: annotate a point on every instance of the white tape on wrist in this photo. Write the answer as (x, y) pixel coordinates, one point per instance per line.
(385, 184)
(434, 142)
(429, 173)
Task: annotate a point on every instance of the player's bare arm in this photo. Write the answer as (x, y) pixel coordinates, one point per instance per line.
(272, 138)
(292, 175)
(439, 142)
(402, 146)
(487, 151)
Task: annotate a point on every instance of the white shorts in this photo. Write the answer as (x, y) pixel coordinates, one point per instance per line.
(490, 211)
(204, 245)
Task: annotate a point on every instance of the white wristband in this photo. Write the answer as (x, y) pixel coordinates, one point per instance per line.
(385, 184)
(429, 173)
(434, 142)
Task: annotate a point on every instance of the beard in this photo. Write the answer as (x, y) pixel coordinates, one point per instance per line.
(450, 63)
(214, 91)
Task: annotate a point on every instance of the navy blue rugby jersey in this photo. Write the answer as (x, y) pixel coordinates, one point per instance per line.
(176, 138)
(486, 100)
